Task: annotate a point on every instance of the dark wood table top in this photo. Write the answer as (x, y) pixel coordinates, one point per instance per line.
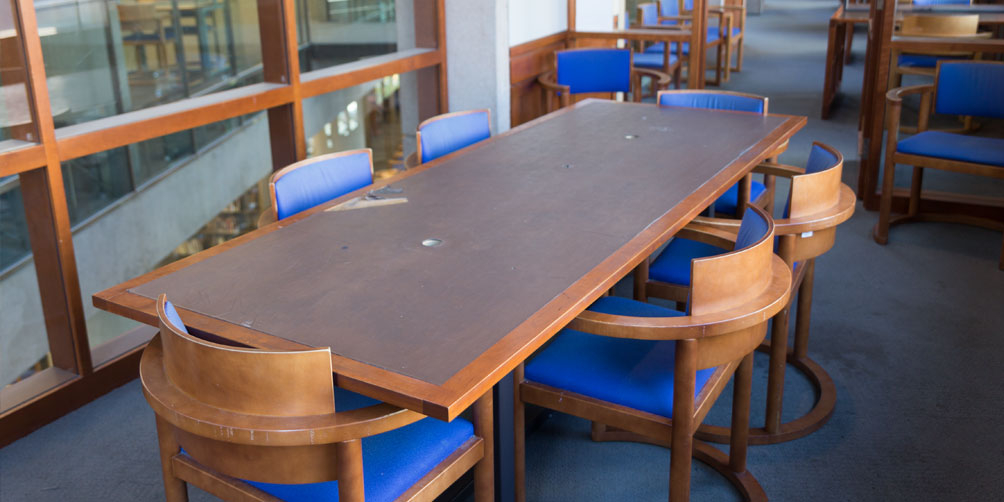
(535, 224)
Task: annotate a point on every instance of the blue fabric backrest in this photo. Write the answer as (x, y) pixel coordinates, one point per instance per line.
(595, 70)
(451, 133)
(941, 2)
(174, 318)
(649, 14)
(669, 8)
(969, 88)
(321, 181)
(820, 159)
(751, 230)
(712, 100)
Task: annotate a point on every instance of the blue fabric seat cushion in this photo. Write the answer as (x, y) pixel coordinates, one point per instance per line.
(652, 60)
(633, 373)
(673, 264)
(661, 46)
(729, 200)
(923, 60)
(392, 461)
(961, 147)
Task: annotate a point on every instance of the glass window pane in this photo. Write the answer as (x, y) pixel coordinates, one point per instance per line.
(206, 189)
(15, 114)
(108, 57)
(334, 32)
(367, 115)
(24, 346)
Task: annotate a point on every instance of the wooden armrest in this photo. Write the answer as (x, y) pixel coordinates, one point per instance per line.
(196, 417)
(675, 18)
(411, 161)
(896, 95)
(756, 311)
(831, 217)
(267, 217)
(774, 169)
(547, 81)
(711, 234)
(663, 80)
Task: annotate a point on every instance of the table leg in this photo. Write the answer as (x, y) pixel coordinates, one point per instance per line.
(505, 441)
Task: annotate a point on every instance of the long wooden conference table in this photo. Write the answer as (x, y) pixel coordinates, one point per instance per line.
(430, 303)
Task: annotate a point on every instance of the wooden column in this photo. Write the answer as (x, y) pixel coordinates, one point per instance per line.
(876, 83)
(281, 65)
(48, 217)
(698, 31)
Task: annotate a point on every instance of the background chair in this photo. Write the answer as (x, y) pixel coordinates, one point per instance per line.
(449, 132)
(817, 203)
(252, 424)
(305, 184)
(970, 88)
(655, 56)
(141, 26)
(679, 13)
(653, 373)
(595, 71)
(739, 194)
(931, 26)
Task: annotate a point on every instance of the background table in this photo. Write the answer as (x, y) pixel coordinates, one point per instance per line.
(535, 224)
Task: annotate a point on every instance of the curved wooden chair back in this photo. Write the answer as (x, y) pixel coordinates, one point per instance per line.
(713, 99)
(449, 132)
(730, 281)
(925, 25)
(305, 184)
(817, 191)
(235, 387)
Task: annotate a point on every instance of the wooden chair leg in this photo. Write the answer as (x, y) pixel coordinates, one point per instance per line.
(916, 183)
(885, 207)
(739, 56)
(683, 417)
(728, 58)
(175, 490)
(804, 312)
(484, 471)
(775, 371)
(770, 183)
(519, 429)
(349, 468)
(742, 390)
(641, 281)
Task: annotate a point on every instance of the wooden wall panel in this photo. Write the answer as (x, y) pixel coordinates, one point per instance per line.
(527, 62)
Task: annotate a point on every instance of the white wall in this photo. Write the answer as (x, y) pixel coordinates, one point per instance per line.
(533, 19)
(477, 55)
(597, 15)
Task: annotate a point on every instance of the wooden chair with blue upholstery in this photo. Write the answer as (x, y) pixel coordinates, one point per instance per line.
(817, 202)
(654, 56)
(444, 134)
(247, 424)
(931, 26)
(680, 13)
(746, 190)
(653, 373)
(305, 184)
(591, 72)
(967, 88)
